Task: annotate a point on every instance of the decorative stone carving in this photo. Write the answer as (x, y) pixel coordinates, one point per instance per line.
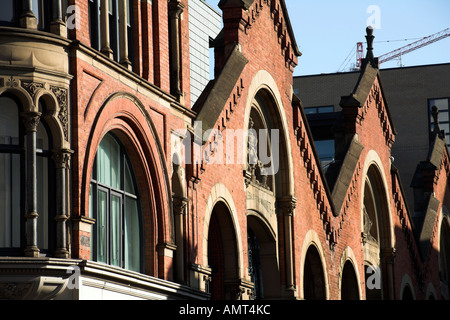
(31, 120)
(63, 115)
(11, 82)
(31, 87)
(14, 290)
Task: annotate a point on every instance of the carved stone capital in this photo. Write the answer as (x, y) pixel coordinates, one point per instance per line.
(286, 205)
(31, 120)
(175, 9)
(179, 205)
(62, 158)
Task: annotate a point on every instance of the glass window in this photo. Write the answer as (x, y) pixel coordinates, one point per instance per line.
(325, 149)
(10, 174)
(114, 204)
(94, 23)
(8, 12)
(443, 119)
(12, 177)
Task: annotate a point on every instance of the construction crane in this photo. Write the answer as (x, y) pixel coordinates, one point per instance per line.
(403, 50)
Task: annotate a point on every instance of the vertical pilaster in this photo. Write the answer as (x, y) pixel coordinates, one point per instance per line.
(123, 35)
(57, 26)
(179, 210)
(31, 122)
(105, 46)
(175, 11)
(286, 207)
(62, 159)
(27, 18)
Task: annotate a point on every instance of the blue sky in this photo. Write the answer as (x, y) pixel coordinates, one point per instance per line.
(327, 31)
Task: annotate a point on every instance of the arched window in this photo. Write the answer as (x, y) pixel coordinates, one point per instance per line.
(12, 179)
(114, 203)
(11, 166)
(44, 174)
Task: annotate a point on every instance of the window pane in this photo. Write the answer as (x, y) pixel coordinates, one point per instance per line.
(108, 162)
(7, 11)
(42, 201)
(115, 230)
(132, 247)
(9, 121)
(129, 185)
(325, 149)
(9, 200)
(102, 207)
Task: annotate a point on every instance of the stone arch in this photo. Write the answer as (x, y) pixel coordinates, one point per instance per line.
(407, 288)
(313, 255)
(219, 192)
(26, 101)
(376, 224)
(264, 101)
(125, 116)
(51, 114)
(264, 86)
(349, 276)
(222, 245)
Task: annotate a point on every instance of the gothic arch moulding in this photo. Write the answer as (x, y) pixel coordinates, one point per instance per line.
(373, 165)
(348, 258)
(312, 240)
(220, 193)
(124, 115)
(264, 82)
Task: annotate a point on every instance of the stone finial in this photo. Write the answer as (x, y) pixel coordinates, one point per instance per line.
(369, 37)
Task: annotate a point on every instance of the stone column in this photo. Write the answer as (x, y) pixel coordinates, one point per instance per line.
(179, 210)
(286, 207)
(123, 34)
(388, 260)
(61, 158)
(175, 11)
(31, 122)
(105, 47)
(27, 18)
(57, 26)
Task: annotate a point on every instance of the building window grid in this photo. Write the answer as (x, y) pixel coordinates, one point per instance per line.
(444, 116)
(95, 31)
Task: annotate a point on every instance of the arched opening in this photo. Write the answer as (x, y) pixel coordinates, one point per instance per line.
(349, 283)
(376, 238)
(115, 204)
(444, 258)
(11, 173)
(263, 262)
(222, 254)
(313, 276)
(407, 293)
(270, 188)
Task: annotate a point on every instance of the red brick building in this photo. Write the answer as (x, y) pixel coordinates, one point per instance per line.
(123, 189)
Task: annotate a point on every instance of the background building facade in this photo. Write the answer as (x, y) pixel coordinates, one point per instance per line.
(115, 185)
